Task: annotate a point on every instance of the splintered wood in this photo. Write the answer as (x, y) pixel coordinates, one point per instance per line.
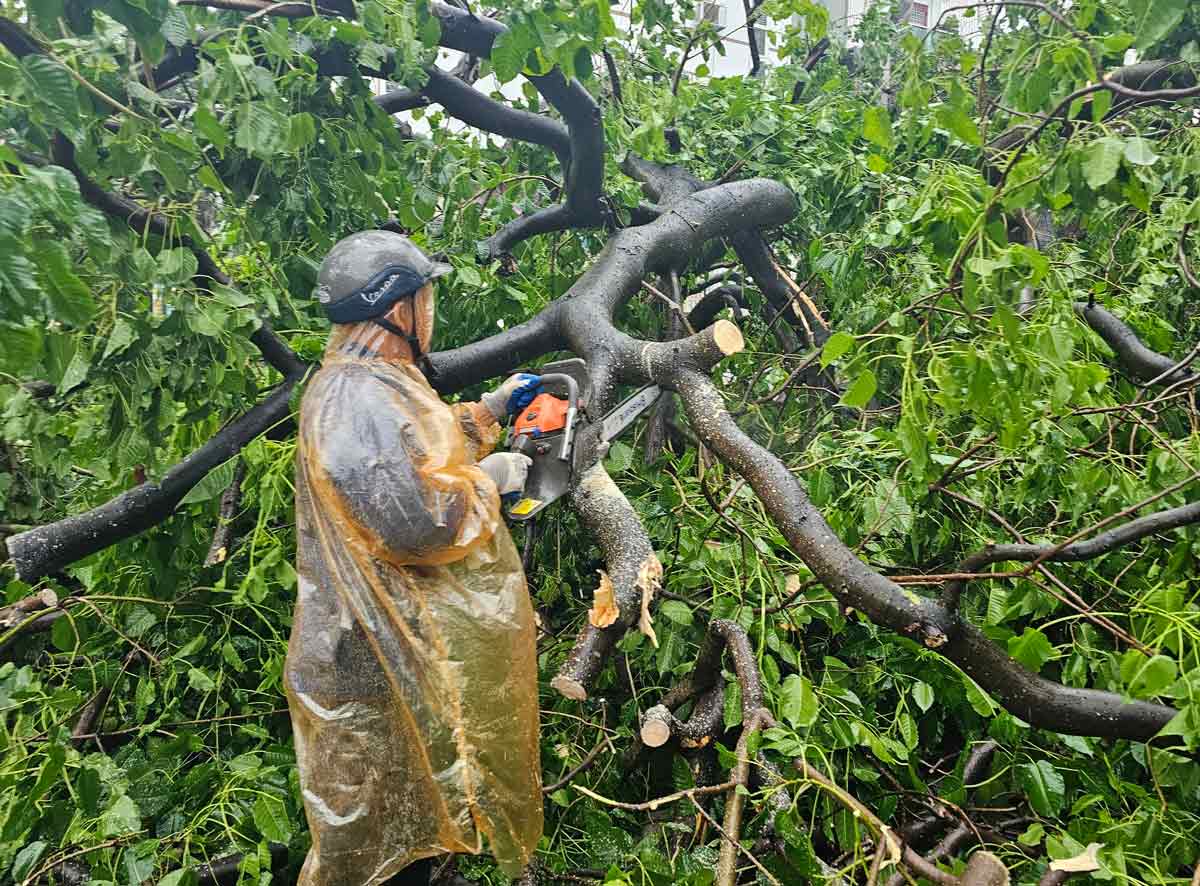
(604, 609)
(649, 580)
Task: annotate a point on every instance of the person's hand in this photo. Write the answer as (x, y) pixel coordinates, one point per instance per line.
(516, 392)
(508, 470)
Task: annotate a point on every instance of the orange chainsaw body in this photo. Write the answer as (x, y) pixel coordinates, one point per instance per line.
(546, 414)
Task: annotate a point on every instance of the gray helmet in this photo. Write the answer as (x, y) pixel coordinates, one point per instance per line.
(368, 272)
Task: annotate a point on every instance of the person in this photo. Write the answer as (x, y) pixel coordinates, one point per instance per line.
(411, 672)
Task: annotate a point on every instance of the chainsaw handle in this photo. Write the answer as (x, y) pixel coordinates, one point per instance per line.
(564, 451)
(569, 381)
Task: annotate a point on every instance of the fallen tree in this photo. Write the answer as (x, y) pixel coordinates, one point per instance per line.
(685, 228)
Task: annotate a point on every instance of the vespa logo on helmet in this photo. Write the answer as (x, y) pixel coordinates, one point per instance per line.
(371, 296)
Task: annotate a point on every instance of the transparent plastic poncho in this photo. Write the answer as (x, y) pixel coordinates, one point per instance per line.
(411, 672)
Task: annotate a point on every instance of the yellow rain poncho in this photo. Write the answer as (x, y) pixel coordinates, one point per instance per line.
(411, 672)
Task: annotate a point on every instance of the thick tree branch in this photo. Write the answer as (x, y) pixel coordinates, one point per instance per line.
(749, 7)
(17, 40)
(48, 548)
(668, 184)
(633, 254)
(465, 103)
(810, 61)
(704, 683)
(1041, 702)
(584, 205)
(398, 100)
(1134, 530)
(632, 569)
(1145, 365)
(701, 308)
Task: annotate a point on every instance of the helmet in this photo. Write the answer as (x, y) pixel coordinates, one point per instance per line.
(368, 272)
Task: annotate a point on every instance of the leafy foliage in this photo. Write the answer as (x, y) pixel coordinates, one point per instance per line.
(914, 247)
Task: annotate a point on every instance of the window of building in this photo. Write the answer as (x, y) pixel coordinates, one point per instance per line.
(760, 38)
(918, 14)
(713, 12)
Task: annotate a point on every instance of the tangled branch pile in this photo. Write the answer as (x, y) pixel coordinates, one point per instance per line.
(935, 501)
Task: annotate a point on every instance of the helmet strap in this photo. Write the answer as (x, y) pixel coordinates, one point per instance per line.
(414, 344)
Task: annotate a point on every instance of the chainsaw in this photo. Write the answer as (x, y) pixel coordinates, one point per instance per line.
(547, 428)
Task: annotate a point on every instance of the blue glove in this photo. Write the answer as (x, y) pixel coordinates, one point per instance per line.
(522, 395)
(517, 392)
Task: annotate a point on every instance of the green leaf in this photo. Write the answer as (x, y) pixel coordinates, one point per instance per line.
(1138, 152)
(144, 696)
(982, 702)
(1117, 43)
(181, 877)
(620, 457)
(230, 654)
(14, 216)
(261, 130)
(913, 442)
(175, 27)
(877, 126)
(27, 859)
(52, 82)
(468, 275)
(1032, 649)
(62, 635)
(1033, 835)
(508, 54)
(120, 818)
(302, 131)
(1147, 676)
(87, 786)
(270, 817)
(121, 337)
(210, 127)
(177, 266)
(798, 702)
(922, 694)
(677, 611)
(733, 704)
(1101, 159)
(76, 371)
(835, 346)
(956, 120)
(50, 772)
(908, 729)
(1155, 19)
(16, 273)
(997, 604)
(200, 681)
(860, 393)
(1044, 787)
(20, 347)
(70, 299)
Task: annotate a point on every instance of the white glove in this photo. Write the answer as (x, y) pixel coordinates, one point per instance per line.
(507, 470)
(514, 394)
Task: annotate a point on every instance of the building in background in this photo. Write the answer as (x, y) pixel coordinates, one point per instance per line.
(729, 18)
